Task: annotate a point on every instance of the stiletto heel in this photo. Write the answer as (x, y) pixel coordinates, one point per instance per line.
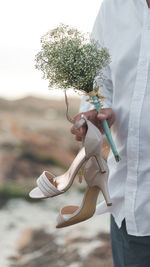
(99, 178)
(49, 186)
(96, 181)
(105, 193)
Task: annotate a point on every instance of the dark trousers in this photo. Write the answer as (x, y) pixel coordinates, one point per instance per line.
(129, 250)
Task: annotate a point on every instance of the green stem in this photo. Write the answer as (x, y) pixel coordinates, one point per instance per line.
(97, 106)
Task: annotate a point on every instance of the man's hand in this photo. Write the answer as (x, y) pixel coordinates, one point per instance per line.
(96, 118)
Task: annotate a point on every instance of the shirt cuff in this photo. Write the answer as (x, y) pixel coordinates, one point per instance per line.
(85, 105)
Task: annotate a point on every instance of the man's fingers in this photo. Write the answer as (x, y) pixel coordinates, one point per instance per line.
(79, 132)
(91, 116)
(78, 138)
(73, 130)
(101, 116)
(110, 121)
(101, 128)
(106, 114)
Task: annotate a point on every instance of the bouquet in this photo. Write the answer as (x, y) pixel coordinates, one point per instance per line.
(68, 60)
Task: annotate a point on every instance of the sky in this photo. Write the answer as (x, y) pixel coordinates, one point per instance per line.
(22, 23)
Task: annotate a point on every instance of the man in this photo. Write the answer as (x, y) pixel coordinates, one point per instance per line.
(123, 26)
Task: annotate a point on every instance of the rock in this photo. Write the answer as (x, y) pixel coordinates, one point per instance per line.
(102, 255)
(30, 141)
(25, 239)
(37, 248)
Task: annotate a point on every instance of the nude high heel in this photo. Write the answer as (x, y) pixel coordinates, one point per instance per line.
(48, 185)
(96, 176)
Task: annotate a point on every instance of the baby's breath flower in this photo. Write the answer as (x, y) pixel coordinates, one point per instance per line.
(68, 60)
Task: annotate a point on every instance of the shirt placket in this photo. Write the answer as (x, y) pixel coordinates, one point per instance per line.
(134, 125)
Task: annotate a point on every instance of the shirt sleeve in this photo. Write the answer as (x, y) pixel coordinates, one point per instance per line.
(98, 34)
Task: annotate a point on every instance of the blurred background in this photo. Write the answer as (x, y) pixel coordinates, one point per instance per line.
(35, 136)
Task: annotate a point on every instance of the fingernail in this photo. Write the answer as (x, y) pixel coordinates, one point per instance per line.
(101, 116)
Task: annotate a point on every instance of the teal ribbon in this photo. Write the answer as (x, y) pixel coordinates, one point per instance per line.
(96, 102)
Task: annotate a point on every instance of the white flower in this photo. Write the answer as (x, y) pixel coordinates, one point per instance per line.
(68, 60)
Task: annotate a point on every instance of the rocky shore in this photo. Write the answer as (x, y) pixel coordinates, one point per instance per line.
(38, 248)
(35, 136)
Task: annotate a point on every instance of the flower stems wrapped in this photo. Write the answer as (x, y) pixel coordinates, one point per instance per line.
(68, 60)
(97, 104)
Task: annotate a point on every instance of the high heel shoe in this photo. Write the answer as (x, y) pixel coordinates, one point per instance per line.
(49, 186)
(96, 179)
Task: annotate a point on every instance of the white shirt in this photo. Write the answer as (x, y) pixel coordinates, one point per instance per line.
(123, 26)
